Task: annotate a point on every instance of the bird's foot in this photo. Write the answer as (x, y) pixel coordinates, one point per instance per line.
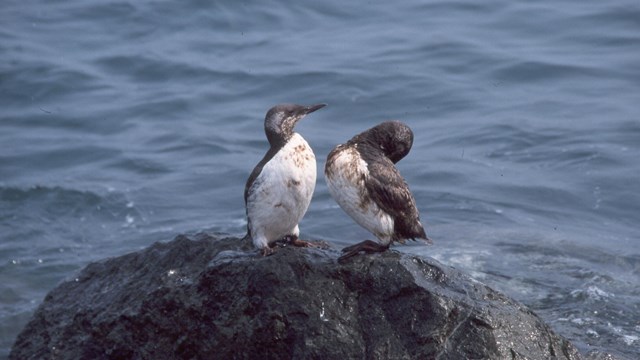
(295, 241)
(367, 246)
(267, 250)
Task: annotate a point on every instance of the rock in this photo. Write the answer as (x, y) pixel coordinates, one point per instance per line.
(213, 297)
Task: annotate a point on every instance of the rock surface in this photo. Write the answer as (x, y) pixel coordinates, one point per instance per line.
(213, 297)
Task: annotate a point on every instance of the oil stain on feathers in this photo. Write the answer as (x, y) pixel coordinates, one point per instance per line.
(362, 178)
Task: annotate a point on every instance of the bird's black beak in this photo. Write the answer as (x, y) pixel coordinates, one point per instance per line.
(312, 108)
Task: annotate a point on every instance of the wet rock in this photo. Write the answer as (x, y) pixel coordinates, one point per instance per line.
(212, 297)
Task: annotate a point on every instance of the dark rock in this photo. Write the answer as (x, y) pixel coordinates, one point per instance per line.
(212, 298)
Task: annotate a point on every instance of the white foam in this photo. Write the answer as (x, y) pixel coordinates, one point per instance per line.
(630, 339)
(129, 220)
(592, 292)
(592, 333)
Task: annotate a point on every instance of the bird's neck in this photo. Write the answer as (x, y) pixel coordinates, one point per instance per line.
(277, 140)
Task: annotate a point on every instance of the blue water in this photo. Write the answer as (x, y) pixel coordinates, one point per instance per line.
(122, 124)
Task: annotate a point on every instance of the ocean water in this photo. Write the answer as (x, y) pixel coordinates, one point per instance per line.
(125, 123)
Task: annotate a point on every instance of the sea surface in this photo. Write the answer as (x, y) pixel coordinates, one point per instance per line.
(126, 123)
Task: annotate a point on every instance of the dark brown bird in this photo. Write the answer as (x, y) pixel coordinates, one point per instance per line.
(364, 181)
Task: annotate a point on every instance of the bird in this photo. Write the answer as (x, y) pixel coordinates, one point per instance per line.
(362, 178)
(279, 189)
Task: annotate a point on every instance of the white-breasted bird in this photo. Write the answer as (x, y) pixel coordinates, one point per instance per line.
(280, 187)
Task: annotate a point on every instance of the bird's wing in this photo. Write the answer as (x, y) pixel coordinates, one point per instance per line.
(251, 181)
(388, 189)
(391, 193)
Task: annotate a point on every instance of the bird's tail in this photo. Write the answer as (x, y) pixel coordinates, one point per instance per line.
(427, 240)
(419, 233)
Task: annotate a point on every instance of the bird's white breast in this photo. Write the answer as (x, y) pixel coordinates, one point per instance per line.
(346, 174)
(282, 192)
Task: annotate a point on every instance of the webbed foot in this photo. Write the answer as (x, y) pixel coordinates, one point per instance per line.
(367, 246)
(295, 241)
(268, 250)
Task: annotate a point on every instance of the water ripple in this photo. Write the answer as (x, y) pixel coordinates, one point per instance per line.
(123, 123)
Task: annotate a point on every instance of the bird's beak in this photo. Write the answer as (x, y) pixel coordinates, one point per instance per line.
(312, 108)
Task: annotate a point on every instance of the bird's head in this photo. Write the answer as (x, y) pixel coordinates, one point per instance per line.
(281, 119)
(393, 138)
